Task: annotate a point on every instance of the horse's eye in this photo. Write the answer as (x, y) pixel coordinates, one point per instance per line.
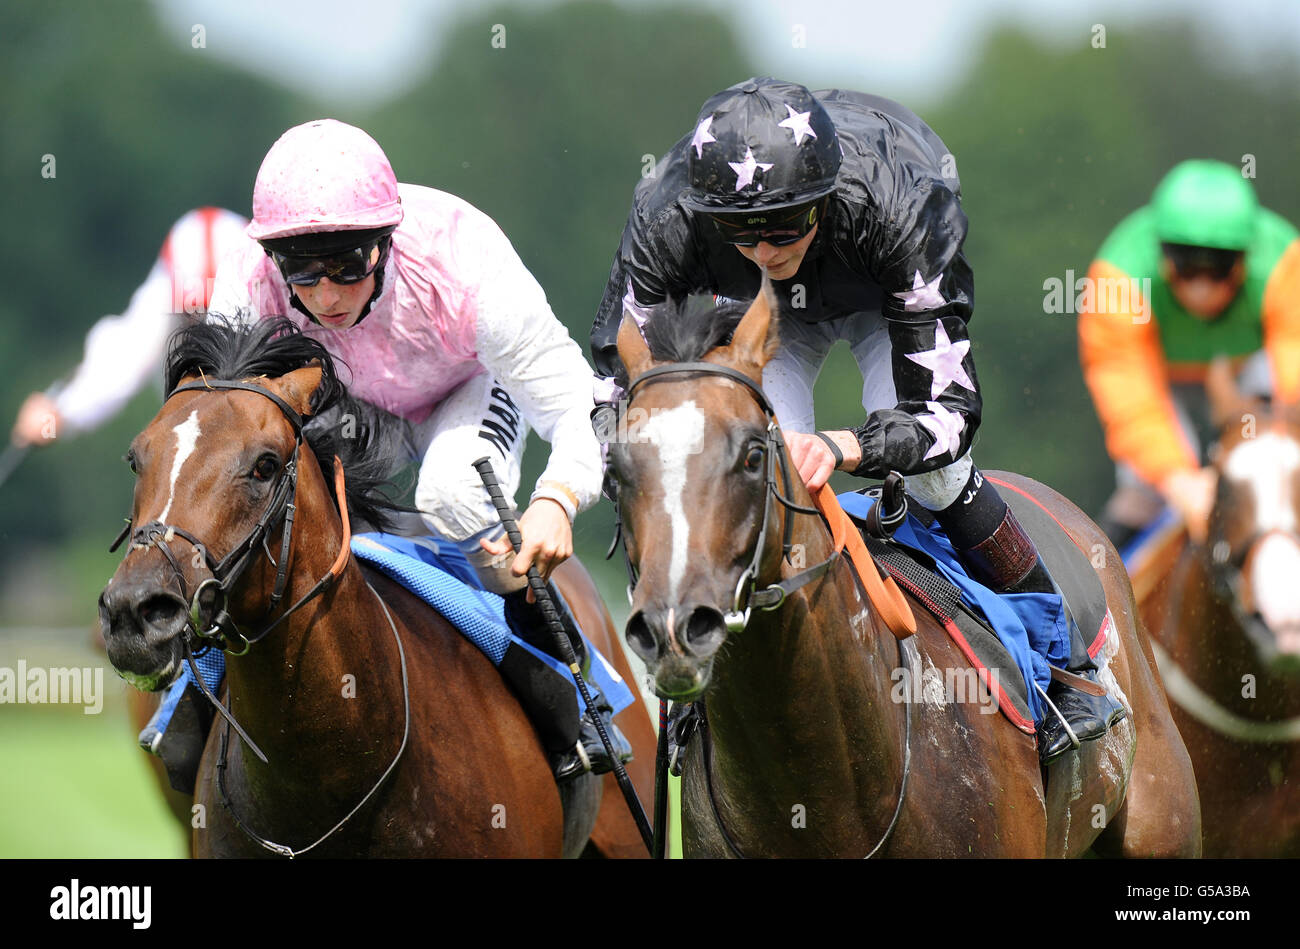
(754, 459)
(129, 458)
(266, 467)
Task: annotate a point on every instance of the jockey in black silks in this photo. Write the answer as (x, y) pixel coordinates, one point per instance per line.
(852, 205)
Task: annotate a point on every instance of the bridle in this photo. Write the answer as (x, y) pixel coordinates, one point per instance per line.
(772, 596)
(223, 633)
(748, 595)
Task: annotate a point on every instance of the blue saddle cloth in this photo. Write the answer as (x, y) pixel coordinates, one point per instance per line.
(437, 572)
(1032, 626)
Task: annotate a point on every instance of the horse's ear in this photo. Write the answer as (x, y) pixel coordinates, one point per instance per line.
(755, 339)
(632, 348)
(1226, 401)
(297, 387)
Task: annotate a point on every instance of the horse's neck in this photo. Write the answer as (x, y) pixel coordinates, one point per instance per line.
(1216, 653)
(813, 677)
(331, 668)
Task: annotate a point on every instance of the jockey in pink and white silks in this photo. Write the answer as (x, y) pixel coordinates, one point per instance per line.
(432, 317)
(124, 351)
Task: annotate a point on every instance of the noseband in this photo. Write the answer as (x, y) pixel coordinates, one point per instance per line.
(747, 594)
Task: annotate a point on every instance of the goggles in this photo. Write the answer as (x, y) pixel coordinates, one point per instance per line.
(347, 267)
(1190, 262)
(780, 228)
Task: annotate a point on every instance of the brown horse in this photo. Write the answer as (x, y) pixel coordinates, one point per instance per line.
(385, 732)
(1227, 615)
(802, 750)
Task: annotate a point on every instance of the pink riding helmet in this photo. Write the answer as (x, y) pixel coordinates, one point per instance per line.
(324, 176)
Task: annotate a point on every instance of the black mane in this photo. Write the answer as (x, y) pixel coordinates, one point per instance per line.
(688, 330)
(367, 440)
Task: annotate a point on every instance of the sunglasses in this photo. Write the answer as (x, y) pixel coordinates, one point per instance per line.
(1191, 262)
(790, 228)
(349, 267)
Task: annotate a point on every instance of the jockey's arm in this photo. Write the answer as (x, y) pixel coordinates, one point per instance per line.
(121, 353)
(1281, 319)
(1124, 368)
(521, 342)
(929, 297)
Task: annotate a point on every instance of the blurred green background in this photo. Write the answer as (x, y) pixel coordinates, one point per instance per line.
(1055, 140)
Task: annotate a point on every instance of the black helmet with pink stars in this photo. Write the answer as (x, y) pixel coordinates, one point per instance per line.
(761, 144)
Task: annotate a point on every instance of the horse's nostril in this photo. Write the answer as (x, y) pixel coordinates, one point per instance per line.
(705, 631)
(640, 638)
(160, 611)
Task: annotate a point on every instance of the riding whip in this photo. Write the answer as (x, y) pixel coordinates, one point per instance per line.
(542, 593)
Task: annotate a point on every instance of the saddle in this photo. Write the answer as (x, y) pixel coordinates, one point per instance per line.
(975, 618)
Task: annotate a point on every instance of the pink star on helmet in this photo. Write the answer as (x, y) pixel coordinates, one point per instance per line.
(944, 361)
(702, 137)
(798, 124)
(922, 296)
(946, 428)
(745, 169)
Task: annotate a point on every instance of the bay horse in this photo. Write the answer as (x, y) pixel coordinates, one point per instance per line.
(1225, 619)
(801, 750)
(381, 730)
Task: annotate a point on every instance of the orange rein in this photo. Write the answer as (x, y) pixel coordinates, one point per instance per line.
(883, 593)
(345, 552)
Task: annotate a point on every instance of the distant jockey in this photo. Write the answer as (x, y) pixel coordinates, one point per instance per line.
(124, 352)
(1206, 272)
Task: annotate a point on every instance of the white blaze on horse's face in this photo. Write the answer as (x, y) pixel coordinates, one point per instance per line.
(187, 436)
(677, 434)
(1267, 465)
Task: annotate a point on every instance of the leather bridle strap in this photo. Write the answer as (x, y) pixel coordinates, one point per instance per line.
(747, 594)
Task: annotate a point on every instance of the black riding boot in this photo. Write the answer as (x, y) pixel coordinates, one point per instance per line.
(584, 751)
(991, 542)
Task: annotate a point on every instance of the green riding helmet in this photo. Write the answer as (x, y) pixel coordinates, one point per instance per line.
(1205, 204)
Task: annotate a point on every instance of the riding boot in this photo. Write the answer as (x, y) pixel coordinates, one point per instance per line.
(585, 751)
(1005, 559)
(1078, 716)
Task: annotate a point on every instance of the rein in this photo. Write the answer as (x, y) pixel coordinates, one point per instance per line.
(772, 596)
(286, 851)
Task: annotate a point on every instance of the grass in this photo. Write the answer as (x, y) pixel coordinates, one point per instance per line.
(76, 785)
